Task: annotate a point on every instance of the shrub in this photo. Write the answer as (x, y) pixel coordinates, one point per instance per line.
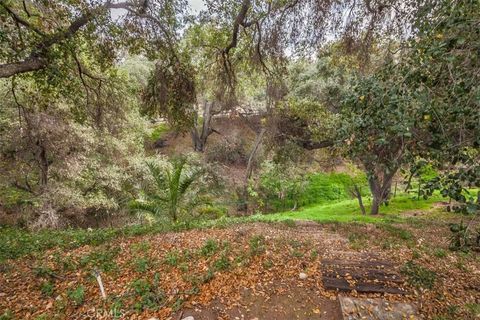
(150, 295)
(159, 132)
(279, 186)
(418, 275)
(209, 248)
(47, 288)
(463, 237)
(173, 190)
(172, 258)
(257, 245)
(227, 152)
(77, 296)
(212, 212)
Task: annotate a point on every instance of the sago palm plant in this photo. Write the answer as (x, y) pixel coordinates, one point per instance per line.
(169, 192)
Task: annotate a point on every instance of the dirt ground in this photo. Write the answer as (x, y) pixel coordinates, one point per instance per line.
(248, 271)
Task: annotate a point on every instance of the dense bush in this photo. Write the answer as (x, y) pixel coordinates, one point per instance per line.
(211, 212)
(278, 187)
(324, 187)
(285, 186)
(59, 161)
(227, 152)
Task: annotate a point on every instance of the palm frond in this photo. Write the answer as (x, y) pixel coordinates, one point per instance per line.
(171, 186)
(158, 175)
(187, 181)
(146, 206)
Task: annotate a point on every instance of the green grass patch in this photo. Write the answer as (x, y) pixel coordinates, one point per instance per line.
(419, 276)
(348, 211)
(473, 309)
(327, 187)
(209, 248)
(11, 197)
(257, 245)
(77, 295)
(172, 258)
(103, 258)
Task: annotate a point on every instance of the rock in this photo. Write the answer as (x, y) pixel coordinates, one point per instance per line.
(189, 318)
(302, 276)
(153, 318)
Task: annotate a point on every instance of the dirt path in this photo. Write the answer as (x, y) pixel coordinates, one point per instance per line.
(284, 301)
(290, 299)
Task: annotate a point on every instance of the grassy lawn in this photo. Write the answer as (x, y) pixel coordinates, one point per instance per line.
(348, 211)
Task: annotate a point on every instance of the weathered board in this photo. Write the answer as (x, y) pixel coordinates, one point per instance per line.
(366, 275)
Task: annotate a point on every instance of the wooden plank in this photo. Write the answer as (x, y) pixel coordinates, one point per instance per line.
(366, 274)
(378, 279)
(341, 284)
(357, 263)
(363, 273)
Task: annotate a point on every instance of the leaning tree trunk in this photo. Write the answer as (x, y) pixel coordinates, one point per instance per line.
(243, 207)
(380, 186)
(199, 139)
(357, 193)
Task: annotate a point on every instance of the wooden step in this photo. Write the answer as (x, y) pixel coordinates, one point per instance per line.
(365, 274)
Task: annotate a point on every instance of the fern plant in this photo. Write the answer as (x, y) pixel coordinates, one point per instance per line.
(170, 191)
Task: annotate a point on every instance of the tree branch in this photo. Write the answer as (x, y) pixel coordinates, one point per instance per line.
(30, 64)
(312, 145)
(37, 58)
(20, 20)
(239, 20)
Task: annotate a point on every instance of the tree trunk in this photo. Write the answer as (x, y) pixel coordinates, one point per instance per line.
(374, 210)
(358, 194)
(200, 139)
(198, 146)
(380, 186)
(173, 214)
(409, 181)
(43, 164)
(244, 193)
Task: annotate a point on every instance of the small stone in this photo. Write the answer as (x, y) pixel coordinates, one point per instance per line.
(189, 318)
(153, 318)
(302, 276)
